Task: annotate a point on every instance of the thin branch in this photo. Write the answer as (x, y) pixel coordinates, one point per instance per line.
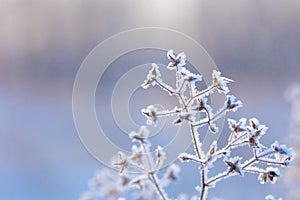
(200, 93)
(254, 153)
(166, 113)
(266, 154)
(254, 171)
(147, 155)
(138, 167)
(271, 162)
(235, 140)
(196, 146)
(217, 178)
(151, 173)
(179, 89)
(165, 88)
(215, 117)
(203, 185)
(182, 101)
(244, 166)
(207, 113)
(155, 183)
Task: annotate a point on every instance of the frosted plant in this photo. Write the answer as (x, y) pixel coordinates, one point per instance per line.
(192, 102)
(292, 176)
(194, 108)
(144, 183)
(106, 184)
(147, 165)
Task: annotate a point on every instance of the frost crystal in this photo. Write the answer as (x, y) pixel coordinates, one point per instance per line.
(151, 113)
(234, 165)
(122, 163)
(255, 132)
(160, 157)
(270, 174)
(190, 77)
(231, 104)
(136, 153)
(237, 127)
(203, 106)
(176, 61)
(141, 135)
(153, 75)
(184, 116)
(188, 157)
(282, 149)
(220, 82)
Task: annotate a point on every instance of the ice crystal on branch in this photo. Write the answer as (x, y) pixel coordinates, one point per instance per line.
(152, 77)
(271, 174)
(232, 104)
(220, 82)
(176, 61)
(234, 165)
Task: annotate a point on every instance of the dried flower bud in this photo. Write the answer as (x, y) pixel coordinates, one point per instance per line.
(136, 153)
(160, 157)
(151, 113)
(237, 127)
(124, 180)
(213, 128)
(220, 82)
(255, 132)
(192, 78)
(282, 149)
(183, 116)
(176, 60)
(154, 74)
(231, 104)
(234, 165)
(212, 149)
(171, 175)
(173, 172)
(140, 136)
(187, 157)
(271, 174)
(122, 163)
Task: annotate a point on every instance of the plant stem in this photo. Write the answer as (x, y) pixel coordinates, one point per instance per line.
(217, 178)
(151, 175)
(196, 145)
(203, 185)
(213, 118)
(167, 113)
(201, 93)
(165, 88)
(235, 140)
(147, 156)
(154, 181)
(271, 162)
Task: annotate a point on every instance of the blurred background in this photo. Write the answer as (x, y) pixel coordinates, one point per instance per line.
(43, 43)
